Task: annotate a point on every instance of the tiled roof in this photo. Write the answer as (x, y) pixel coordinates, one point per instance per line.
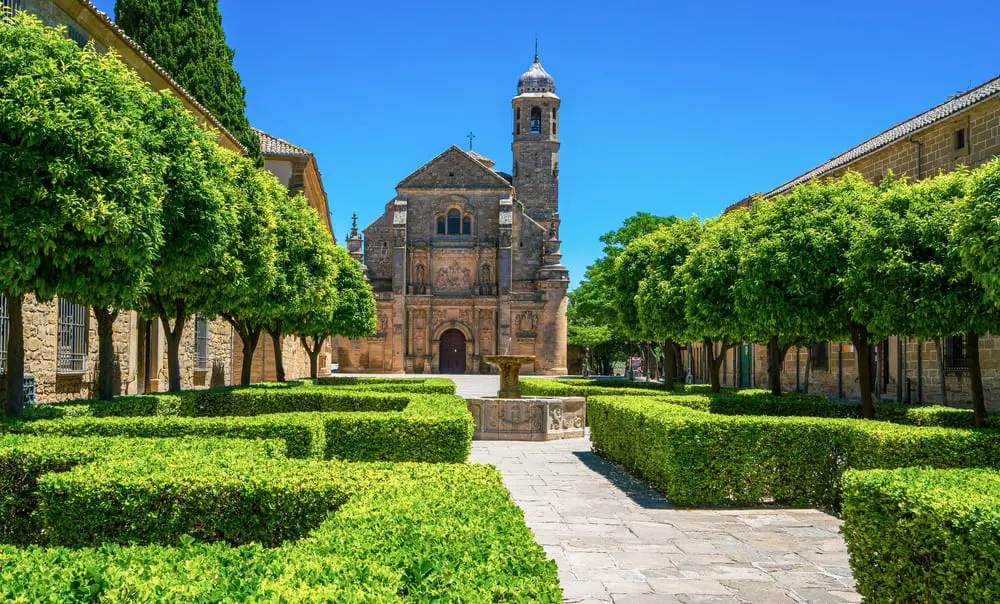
(895, 134)
(272, 145)
(106, 20)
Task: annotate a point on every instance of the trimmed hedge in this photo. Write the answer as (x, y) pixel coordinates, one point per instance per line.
(375, 384)
(920, 535)
(314, 421)
(589, 387)
(402, 531)
(698, 458)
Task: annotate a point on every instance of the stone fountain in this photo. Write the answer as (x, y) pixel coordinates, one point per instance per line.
(509, 416)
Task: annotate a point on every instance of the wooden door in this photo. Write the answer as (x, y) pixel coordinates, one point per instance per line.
(452, 352)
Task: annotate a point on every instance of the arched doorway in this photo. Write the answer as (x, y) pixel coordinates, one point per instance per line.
(452, 352)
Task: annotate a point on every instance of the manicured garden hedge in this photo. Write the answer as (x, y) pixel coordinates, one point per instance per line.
(376, 384)
(227, 520)
(699, 458)
(588, 387)
(919, 535)
(315, 421)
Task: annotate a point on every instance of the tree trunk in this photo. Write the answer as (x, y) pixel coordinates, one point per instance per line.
(809, 362)
(106, 386)
(774, 361)
(279, 362)
(313, 354)
(976, 373)
(713, 367)
(944, 385)
(249, 337)
(15, 356)
(859, 337)
(669, 364)
(174, 342)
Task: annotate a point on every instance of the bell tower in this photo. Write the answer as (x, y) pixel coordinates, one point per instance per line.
(536, 143)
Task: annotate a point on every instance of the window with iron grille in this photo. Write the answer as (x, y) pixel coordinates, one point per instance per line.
(201, 343)
(4, 332)
(11, 6)
(76, 34)
(954, 354)
(820, 355)
(72, 354)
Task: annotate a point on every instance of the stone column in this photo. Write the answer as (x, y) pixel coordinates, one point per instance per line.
(553, 280)
(399, 275)
(504, 276)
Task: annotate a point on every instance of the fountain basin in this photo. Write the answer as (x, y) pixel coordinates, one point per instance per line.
(537, 418)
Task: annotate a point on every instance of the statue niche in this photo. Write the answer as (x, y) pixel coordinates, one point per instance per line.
(486, 286)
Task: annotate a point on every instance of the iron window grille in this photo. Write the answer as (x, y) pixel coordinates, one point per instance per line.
(4, 331)
(201, 338)
(955, 358)
(820, 354)
(11, 6)
(72, 355)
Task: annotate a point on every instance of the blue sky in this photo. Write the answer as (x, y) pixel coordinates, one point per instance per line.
(667, 108)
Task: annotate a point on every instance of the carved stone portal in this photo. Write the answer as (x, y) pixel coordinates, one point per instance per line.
(453, 278)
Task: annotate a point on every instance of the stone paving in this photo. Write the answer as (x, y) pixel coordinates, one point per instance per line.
(616, 540)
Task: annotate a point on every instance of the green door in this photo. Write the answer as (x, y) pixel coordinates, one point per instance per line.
(746, 365)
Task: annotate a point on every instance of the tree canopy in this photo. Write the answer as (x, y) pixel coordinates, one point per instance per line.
(187, 39)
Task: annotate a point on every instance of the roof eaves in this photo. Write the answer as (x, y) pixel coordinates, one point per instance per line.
(900, 131)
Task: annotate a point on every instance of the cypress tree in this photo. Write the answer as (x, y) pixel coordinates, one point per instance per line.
(186, 38)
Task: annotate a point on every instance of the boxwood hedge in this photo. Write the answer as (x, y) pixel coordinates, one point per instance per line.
(922, 535)
(376, 384)
(699, 458)
(314, 421)
(194, 519)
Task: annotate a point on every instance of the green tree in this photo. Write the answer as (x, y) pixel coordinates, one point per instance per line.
(789, 289)
(195, 218)
(907, 276)
(244, 276)
(79, 188)
(186, 38)
(351, 313)
(708, 281)
(304, 269)
(979, 228)
(658, 300)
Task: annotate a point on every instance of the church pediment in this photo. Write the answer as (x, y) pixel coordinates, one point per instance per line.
(454, 169)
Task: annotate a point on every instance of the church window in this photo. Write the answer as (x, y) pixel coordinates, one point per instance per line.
(466, 225)
(454, 222)
(440, 229)
(517, 121)
(554, 132)
(536, 120)
(955, 356)
(960, 139)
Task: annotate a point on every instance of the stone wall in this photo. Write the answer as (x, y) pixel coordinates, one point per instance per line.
(41, 342)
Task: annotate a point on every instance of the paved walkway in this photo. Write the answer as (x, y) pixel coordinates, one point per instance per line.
(616, 540)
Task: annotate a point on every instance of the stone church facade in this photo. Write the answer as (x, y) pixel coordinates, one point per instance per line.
(465, 260)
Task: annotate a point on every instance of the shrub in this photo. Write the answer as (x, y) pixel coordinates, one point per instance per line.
(921, 535)
(375, 384)
(583, 387)
(418, 531)
(699, 458)
(328, 423)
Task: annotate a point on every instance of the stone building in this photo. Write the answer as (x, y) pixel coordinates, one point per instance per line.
(965, 130)
(465, 259)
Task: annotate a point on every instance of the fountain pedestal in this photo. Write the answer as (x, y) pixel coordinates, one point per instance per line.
(509, 416)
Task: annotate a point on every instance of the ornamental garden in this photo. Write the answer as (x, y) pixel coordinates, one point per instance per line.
(358, 489)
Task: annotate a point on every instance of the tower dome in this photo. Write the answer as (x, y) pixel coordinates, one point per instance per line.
(536, 79)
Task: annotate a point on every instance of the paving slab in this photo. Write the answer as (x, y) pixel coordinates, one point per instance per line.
(616, 540)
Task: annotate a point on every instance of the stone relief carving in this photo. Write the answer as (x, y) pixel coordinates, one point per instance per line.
(527, 324)
(383, 325)
(453, 278)
(504, 238)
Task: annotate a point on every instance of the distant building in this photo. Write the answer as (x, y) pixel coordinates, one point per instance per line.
(965, 130)
(465, 259)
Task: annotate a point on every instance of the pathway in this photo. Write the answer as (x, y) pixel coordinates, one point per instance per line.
(616, 540)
